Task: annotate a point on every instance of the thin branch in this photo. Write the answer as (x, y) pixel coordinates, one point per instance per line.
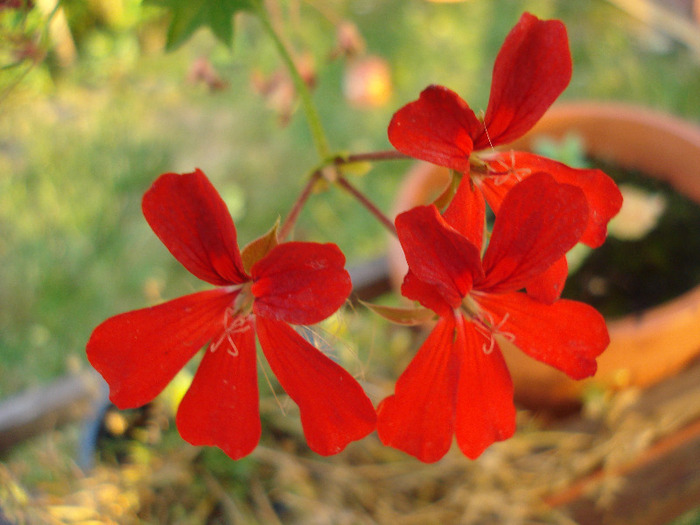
(371, 156)
(291, 219)
(343, 183)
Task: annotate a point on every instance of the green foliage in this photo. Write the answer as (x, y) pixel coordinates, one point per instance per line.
(189, 15)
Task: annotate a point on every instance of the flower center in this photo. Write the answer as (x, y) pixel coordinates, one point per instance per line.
(498, 168)
(243, 303)
(485, 323)
(235, 318)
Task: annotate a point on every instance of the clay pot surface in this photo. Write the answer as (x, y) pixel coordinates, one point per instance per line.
(644, 348)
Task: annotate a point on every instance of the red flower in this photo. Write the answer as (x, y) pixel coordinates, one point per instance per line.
(458, 382)
(139, 352)
(533, 67)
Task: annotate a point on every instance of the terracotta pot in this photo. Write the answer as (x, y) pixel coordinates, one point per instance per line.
(646, 347)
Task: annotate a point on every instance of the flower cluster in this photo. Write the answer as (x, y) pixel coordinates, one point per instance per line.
(259, 292)
(482, 291)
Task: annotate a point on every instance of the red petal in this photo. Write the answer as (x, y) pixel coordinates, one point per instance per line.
(189, 216)
(437, 128)
(334, 409)
(603, 196)
(538, 222)
(426, 294)
(467, 212)
(532, 69)
(300, 282)
(567, 335)
(485, 410)
(547, 286)
(221, 406)
(495, 188)
(419, 417)
(139, 352)
(438, 254)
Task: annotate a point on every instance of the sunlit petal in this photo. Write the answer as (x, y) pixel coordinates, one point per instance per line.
(548, 286)
(300, 282)
(139, 352)
(437, 128)
(191, 219)
(495, 188)
(419, 417)
(426, 294)
(567, 335)
(603, 196)
(221, 406)
(539, 221)
(438, 254)
(334, 409)
(485, 410)
(467, 212)
(532, 69)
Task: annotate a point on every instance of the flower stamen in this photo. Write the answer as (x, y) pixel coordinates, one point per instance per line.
(488, 137)
(503, 171)
(486, 325)
(234, 323)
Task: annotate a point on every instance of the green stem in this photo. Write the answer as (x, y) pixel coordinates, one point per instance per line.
(312, 117)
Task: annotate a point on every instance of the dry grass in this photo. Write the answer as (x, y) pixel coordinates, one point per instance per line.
(282, 482)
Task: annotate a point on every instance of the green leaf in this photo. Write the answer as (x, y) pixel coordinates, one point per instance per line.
(190, 15)
(405, 316)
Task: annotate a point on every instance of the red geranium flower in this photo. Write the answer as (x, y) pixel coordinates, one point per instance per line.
(139, 352)
(532, 69)
(458, 382)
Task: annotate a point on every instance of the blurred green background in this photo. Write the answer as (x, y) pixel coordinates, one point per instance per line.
(84, 134)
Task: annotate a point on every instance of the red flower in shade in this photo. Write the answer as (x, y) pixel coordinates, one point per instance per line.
(139, 352)
(458, 382)
(533, 67)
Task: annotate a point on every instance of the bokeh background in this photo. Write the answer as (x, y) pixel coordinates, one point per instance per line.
(92, 110)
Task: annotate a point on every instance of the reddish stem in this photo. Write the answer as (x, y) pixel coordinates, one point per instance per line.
(373, 155)
(343, 183)
(291, 219)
